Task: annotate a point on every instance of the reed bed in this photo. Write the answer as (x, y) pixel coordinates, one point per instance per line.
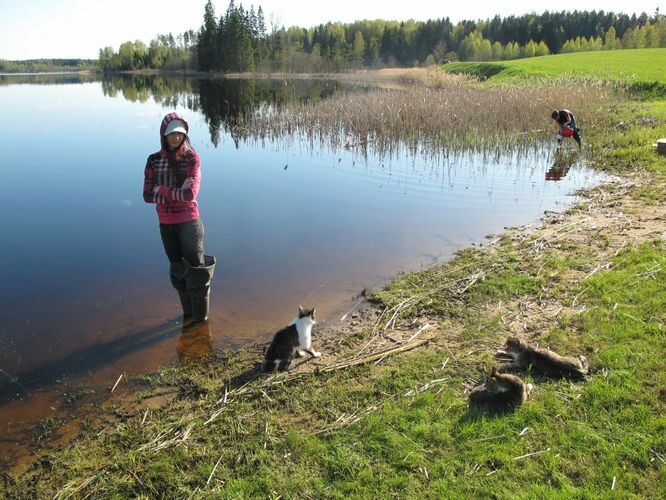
(433, 115)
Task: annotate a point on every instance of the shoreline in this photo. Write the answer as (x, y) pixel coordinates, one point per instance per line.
(328, 336)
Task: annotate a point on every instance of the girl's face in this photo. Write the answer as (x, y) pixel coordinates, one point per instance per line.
(175, 140)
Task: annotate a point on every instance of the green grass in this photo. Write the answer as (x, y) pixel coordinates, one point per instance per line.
(625, 143)
(638, 67)
(419, 443)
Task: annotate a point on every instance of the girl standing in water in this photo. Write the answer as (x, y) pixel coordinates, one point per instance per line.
(171, 180)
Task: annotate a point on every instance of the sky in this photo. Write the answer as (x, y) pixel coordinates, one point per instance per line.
(33, 29)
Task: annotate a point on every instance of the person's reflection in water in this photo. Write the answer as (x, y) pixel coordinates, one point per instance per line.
(561, 166)
(195, 343)
(557, 172)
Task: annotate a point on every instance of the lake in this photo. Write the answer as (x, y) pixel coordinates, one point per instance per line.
(86, 292)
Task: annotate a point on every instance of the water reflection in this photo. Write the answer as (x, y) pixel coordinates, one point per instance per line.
(562, 162)
(226, 104)
(47, 78)
(195, 343)
(169, 92)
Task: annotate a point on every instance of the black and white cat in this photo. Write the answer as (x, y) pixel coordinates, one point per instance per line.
(292, 340)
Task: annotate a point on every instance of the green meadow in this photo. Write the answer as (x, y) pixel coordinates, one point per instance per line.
(396, 424)
(639, 66)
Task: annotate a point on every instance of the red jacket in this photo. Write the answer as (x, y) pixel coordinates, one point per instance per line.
(169, 171)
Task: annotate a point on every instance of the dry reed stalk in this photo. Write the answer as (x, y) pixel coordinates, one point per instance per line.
(344, 316)
(345, 419)
(65, 492)
(168, 438)
(213, 471)
(453, 116)
(117, 382)
(532, 454)
(416, 299)
(375, 356)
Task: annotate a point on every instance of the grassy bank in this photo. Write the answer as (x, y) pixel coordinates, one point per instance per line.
(384, 412)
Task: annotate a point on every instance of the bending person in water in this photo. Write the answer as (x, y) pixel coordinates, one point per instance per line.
(566, 126)
(171, 180)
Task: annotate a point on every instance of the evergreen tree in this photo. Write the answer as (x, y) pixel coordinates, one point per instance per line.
(207, 44)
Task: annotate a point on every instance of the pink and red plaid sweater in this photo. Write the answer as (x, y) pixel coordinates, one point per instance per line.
(174, 203)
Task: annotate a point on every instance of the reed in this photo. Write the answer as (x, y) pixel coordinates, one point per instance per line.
(436, 114)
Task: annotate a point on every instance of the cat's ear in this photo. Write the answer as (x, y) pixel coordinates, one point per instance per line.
(493, 372)
(300, 311)
(312, 313)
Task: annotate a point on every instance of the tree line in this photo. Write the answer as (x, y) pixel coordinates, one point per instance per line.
(46, 65)
(164, 52)
(239, 41)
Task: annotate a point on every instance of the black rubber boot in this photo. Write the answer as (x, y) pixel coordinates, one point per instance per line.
(198, 287)
(177, 276)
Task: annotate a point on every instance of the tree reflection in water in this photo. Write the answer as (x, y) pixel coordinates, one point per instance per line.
(227, 104)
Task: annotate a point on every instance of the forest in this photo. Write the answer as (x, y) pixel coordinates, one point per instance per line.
(46, 65)
(240, 41)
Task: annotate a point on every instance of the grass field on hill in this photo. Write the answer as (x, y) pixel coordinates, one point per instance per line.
(637, 66)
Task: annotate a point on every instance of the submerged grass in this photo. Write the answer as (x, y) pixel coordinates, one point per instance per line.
(396, 423)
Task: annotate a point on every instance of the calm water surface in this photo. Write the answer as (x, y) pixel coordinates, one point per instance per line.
(86, 292)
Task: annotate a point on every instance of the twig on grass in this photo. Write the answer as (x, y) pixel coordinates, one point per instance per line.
(532, 454)
(607, 265)
(375, 356)
(487, 439)
(213, 471)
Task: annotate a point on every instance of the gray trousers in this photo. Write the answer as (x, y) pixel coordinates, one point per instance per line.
(184, 241)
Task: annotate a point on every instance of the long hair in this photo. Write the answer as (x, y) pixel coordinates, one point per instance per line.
(184, 148)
